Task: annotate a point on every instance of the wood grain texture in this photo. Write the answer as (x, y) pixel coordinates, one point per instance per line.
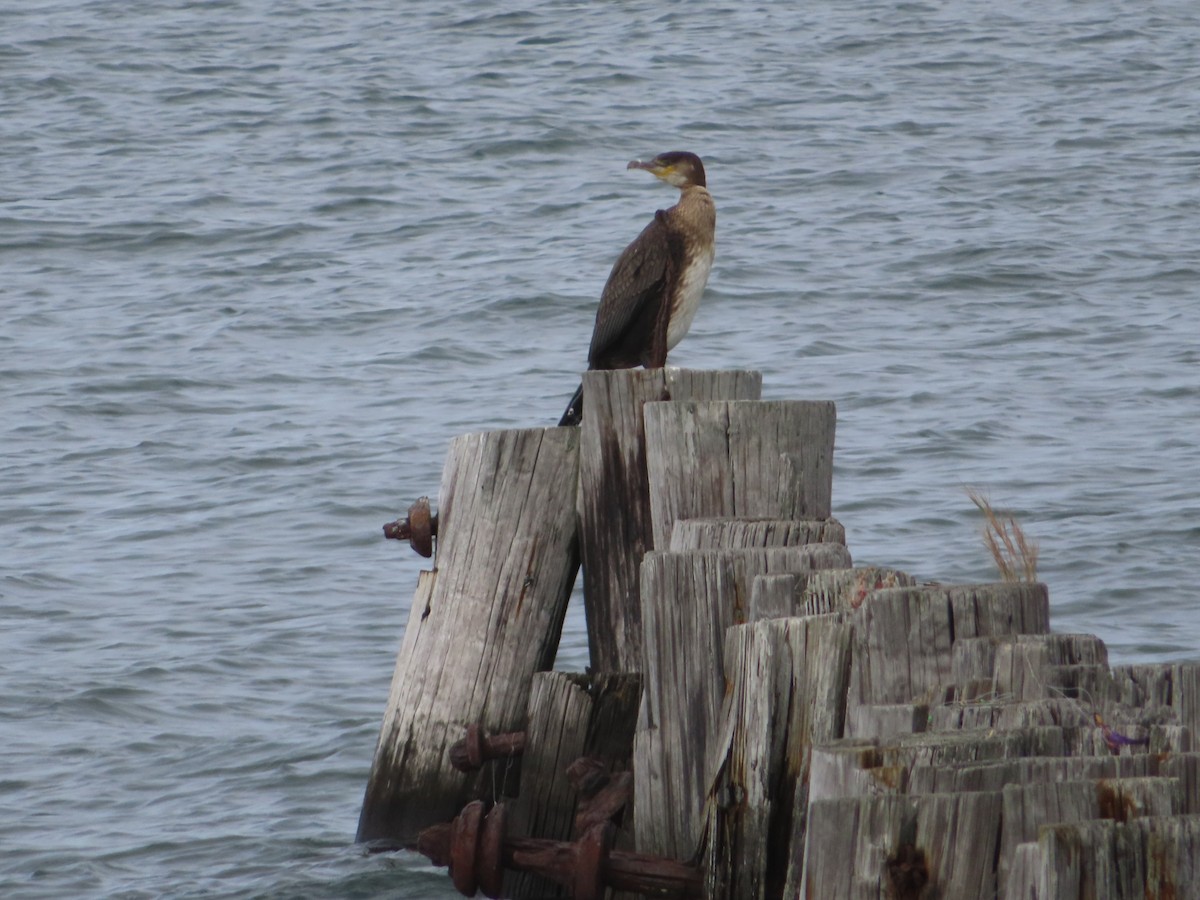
(1153, 857)
(732, 534)
(480, 626)
(614, 495)
(1027, 807)
(904, 636)
(788, 682)
(755, 459)
(890, 846)
(688, 600)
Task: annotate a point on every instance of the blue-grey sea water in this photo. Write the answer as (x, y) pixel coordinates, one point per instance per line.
(260, 261)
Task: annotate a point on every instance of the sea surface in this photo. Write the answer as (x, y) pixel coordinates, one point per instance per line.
(261, 261)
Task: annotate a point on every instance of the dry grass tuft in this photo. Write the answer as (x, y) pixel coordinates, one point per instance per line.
(1016, 556)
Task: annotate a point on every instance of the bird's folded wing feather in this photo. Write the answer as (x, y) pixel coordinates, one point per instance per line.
(638, 277)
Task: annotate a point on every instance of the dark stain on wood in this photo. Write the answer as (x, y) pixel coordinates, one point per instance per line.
(907, 872)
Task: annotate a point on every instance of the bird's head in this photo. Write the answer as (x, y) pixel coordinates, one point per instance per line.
(677, 167)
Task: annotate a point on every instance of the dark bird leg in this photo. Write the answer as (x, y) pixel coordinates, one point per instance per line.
(574, 411)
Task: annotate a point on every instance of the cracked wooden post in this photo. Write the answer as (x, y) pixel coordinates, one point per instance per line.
(760, 460)
(482, 622)
(614, 498)
(787, 691)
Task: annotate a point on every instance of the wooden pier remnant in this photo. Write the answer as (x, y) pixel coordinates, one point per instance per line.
(764, 718)
(481, 624)
(614, 496)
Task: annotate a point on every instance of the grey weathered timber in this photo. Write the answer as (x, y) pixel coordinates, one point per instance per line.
(853, 767)
(882, 720)
(994, 775)
(614, 498)
(776, 596)
(731, 534)
(723, 459)
(863, 766)
(570, 716)
(1027, 807)
(688, 600)
(1152, 857)
(1175, 685)
(480, 626)
(1023, 663)
(1016, 663)
(1010, 714)
(824, 590)
(1023, 873)
(788, 691)
(904, 636)
(888, 846)
(845, 590)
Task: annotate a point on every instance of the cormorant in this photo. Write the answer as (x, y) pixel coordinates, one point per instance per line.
(655, 285)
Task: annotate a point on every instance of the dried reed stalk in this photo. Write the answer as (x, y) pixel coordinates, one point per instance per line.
(1016, 556)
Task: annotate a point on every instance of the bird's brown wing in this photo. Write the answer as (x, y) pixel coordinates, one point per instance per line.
(632, 298)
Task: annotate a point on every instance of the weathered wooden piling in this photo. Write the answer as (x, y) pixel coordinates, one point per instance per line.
(737, 459)
(481, 624)
(788, 686)
(761, 460)
(689, 600)
(614, 496)
(804, 727)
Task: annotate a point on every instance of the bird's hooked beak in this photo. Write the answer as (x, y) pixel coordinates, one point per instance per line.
(654, 167)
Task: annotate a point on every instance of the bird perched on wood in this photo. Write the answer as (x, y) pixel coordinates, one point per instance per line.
(655, 285)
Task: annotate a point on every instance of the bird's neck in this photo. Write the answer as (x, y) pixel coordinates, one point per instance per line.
(695, 209)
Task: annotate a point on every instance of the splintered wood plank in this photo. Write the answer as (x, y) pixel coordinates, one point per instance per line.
(756, 459)
(689, 599)
(480, 626)
(788, 691)
(614, 495)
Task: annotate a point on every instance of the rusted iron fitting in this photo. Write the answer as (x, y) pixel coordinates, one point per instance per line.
(419, 528)
(474, 847)
(603, 795)
(477, 747)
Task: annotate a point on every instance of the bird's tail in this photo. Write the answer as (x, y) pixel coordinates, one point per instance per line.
(574, 411)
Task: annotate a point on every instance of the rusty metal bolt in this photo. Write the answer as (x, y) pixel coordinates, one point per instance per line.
(603, 795)
(588, 775)
(489, 864)
(477, 747)
(419, 528)
(469, 844)
(464, 847)
(591, 858)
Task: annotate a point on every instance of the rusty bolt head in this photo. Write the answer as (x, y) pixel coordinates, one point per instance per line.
(464, 846)
(419, 528)
(490, 868)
